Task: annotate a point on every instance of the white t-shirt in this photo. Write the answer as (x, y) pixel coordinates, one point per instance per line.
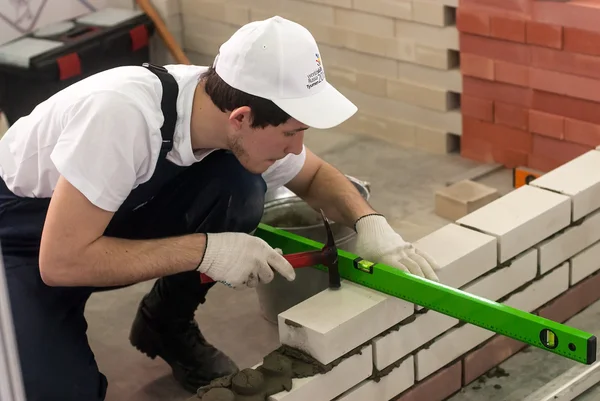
(103, 135)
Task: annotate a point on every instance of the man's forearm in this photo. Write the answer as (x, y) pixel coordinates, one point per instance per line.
(331, 191)
(115, 261)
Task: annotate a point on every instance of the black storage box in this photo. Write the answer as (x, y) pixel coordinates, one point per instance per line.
(37, 65)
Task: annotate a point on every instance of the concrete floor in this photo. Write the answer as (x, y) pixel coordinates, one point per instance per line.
(403, 182)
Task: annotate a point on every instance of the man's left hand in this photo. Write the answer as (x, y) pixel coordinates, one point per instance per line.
(378, 242)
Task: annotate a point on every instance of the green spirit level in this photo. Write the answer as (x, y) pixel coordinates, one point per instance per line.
(511, 322)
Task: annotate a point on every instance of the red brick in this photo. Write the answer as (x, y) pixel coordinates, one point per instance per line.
(491, 354)
(543, 163)
(572, 63)
(568, 14)
(476, 66)
(511, 115)
(437, 387)
(566, 106)
(547, 124)
(496, 49)
(560, 151)
(517, 7)
(582, 132)
(573, 301)
(497, 91)
(482, 109)
(511, 73)
(510, 158)
(548, 35)
(499, 136)
(565, 84)
(512, 29)
(474, 148)
(472, 21)
(581, 41)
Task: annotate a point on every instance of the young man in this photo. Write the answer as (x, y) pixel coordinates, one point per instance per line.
(141, 173)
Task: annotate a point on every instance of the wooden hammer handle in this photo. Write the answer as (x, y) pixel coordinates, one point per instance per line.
(164, 33)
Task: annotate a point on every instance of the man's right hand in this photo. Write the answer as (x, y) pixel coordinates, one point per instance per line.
(237, 259)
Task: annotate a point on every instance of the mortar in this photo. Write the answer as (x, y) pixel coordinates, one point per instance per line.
(285, 210)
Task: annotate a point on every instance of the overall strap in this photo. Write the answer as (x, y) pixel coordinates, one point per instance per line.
(168, 105)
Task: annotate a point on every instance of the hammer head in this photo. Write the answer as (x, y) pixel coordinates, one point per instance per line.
(330, 256)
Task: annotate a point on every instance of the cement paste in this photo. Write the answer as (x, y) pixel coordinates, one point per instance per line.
(273, 376)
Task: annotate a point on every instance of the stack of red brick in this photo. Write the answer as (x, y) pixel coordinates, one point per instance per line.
(531, 80)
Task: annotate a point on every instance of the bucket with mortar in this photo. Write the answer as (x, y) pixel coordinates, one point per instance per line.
(285, 210)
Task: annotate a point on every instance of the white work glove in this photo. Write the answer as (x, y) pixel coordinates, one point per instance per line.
(378, 242)
(238, 259)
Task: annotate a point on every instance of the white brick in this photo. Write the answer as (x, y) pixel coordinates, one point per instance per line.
(461, 340)
(432, 13)
(521, 219)
(421, 95)
(435, 56)
(389, 386)
(449, 347)
(438, 37)
(449, 121)
(216, 10)
(333, 322)
(436, 140)
(451, 3)
(463, 254)
(202, 44)
(497, 284)
(368, 23)
(216, 30)
(564, 245)
(446, 79)
(578, 178)
(325, 387)
(542, 290)
(585, 263)
(358, 61)
(397, 344)
(390, 8)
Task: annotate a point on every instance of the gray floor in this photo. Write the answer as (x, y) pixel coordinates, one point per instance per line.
(403, 183)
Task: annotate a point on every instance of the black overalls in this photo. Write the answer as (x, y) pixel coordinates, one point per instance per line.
(214, 195)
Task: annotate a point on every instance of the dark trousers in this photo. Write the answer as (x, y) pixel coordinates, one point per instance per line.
(215, 195)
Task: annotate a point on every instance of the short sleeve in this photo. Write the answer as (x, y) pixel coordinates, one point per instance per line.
(103, 145)
(284, 170)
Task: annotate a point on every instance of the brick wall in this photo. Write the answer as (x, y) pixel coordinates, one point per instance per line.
(535, 249)
(396, 59)
(531, 75)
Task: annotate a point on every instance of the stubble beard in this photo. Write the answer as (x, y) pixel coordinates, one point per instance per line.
(237, 148)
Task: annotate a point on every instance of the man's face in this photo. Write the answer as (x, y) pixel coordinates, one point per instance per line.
(258, 148)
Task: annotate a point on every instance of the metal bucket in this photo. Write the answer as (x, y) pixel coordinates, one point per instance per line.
(285, 210)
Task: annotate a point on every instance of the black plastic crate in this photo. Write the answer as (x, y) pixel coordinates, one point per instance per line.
(70, 51)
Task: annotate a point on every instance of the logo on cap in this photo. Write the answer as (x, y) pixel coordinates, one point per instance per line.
(317, 76)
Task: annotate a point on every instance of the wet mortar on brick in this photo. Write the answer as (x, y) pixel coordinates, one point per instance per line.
(273, 376)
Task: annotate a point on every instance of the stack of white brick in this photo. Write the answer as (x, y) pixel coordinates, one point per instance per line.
(396, 59)
(535, 249)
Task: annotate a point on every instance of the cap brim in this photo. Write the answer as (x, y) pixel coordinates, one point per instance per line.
(326, 109)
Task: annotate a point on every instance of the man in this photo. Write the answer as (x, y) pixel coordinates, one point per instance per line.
(149, 173)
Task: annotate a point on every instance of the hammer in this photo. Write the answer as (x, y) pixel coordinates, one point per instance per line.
(327, 256)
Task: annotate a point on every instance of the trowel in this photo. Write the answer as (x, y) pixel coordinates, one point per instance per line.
(326, 256)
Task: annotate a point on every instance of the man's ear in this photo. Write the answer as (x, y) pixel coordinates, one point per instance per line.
(240, 117)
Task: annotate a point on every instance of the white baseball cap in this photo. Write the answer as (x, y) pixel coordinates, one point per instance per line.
(279, 60)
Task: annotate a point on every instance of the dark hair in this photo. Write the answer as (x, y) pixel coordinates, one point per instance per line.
(263, 112)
